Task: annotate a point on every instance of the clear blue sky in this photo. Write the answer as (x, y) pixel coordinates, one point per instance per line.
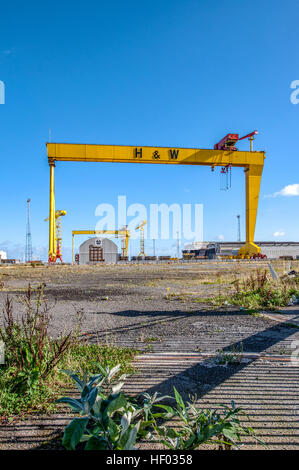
(168, 73)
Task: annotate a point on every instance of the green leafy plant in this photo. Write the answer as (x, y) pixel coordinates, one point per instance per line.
(200, 427)
(108, 419)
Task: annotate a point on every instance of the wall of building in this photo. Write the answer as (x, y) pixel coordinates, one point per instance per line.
(277, 251)
(271, 249)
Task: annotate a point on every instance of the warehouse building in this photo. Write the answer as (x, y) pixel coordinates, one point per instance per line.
(98, 250)
(270, 249)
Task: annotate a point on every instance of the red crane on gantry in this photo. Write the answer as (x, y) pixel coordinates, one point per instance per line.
(228, 142)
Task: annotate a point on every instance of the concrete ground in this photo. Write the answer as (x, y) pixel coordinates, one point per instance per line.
(161, 310)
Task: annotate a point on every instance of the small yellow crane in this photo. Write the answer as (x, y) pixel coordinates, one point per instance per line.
(58, 235)
(141, 228)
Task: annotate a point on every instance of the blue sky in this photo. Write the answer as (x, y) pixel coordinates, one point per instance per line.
(169, 73)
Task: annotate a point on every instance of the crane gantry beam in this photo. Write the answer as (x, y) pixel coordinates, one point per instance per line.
(252, 162)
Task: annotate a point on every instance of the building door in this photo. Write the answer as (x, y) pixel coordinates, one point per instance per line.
(95, 254)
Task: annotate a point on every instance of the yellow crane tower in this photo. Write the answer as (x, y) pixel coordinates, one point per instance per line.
(58, 236)
(141, 228)
(125, 236)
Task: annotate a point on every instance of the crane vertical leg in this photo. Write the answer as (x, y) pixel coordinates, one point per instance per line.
(52, 241)
(73, 250)
(142, 242)
(253, 176)
(58, 239)
(126, 244)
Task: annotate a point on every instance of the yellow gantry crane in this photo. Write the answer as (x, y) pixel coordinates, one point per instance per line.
(223, 155)
(123, 233)
(141, 228)
(58, 236)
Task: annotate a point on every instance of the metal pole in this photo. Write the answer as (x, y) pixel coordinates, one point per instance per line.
(73, 249)
(28, 251)
(239, 229)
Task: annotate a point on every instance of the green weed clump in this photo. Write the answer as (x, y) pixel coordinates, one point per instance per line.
(258, 292)
(94, 357)
(30, 378)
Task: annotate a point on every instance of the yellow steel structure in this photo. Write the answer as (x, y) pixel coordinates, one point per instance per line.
(124, 234)
(58, 234)
(252, 162)
(52, 238)
(141, 228)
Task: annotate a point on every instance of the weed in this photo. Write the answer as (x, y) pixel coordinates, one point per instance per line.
(232, 357)
(176, 296)
(252, 312)
(202, 300)
(110, 420)
(199, 426)
(30, 379)
(82, 356)
(151, 339)
(282, 351)
(30, 352)
(258, 292)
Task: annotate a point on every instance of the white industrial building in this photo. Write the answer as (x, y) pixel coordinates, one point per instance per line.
(98, 250)
(3, 255)
(271, 249)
